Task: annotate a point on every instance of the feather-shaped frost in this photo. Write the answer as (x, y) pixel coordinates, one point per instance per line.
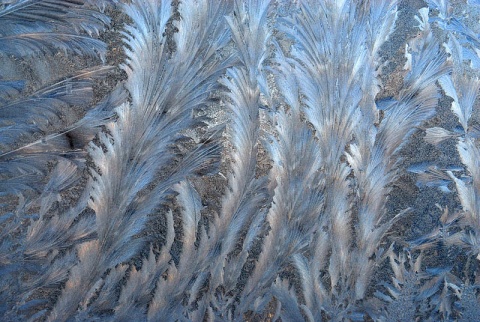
(23, 117)
(248, 24)
(462, 86)
(242, 202)
(24, 163)
(436, 135)
(463, 93)
(30, 26)
(415, 104)
(183, 279)
(468, 192)
(334, 153)
(298, 195)
(332, 89)
(126, 187)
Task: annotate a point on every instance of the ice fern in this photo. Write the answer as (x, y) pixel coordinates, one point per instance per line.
(244, 160)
